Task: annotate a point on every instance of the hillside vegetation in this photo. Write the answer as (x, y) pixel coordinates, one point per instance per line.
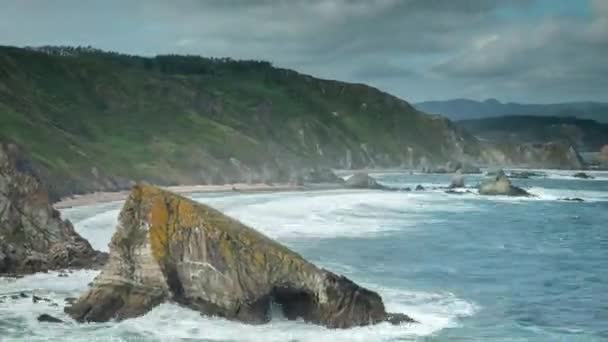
(93, 120)
(585, 135)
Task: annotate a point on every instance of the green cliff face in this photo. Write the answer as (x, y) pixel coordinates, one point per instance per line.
(98, 121)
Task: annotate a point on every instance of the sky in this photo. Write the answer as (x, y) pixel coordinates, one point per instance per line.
(534, 51)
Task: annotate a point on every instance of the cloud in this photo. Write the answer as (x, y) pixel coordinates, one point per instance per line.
(523, 50)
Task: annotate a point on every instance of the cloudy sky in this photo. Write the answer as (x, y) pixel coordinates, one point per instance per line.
(513, 50)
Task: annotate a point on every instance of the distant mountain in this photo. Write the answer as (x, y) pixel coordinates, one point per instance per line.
(585, 135)
(463, 109)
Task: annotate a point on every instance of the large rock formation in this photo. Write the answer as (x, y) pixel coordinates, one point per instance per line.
(167, 247)
(501, 185)
(33, 237)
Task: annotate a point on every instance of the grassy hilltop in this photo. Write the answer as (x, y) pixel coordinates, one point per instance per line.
(93, 120)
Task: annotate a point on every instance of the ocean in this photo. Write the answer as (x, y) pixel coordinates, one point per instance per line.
(467, 267)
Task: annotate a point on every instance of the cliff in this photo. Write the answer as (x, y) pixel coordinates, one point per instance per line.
(33, 237)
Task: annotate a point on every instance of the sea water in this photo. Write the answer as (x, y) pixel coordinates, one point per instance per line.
(467, 267)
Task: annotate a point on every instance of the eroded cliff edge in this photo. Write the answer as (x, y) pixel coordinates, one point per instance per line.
(167, 247)
(33, 237)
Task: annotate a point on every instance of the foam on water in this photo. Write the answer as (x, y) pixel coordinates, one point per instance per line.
(18, 316)
(299, 219)
(334, 214)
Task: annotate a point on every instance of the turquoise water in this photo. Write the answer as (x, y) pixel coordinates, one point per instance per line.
(469, 268)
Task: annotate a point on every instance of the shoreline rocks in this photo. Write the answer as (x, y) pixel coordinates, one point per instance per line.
(33, 237)
(167, 247)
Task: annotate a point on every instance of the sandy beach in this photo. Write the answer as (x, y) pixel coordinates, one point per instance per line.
(103, 197)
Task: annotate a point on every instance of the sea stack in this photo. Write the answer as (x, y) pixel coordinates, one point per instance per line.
(33, 237)
(167, 247)
(501, 185)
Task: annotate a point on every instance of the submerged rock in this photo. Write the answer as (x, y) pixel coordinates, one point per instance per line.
(49, 319)
(167, 247)
(33, 237)
(582, 175)
(501, 185)
(419, 188)
(362, 180)
(573, 199)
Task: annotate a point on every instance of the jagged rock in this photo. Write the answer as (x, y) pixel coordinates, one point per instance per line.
(457, 181)
(362, 180)
(501, 185)
(49, 319)
(419, 188)
(582, 175)
(33, 237)
(167, 247)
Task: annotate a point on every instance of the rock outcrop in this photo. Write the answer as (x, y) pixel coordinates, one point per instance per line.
(167, 247)
(33, 237)
(362, 180)
(457, 181)
(501, 185)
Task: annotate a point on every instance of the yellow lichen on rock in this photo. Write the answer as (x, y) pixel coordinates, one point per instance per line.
(159, 229)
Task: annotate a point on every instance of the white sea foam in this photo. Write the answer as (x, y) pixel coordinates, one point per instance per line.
(434, 311)
(328, 214)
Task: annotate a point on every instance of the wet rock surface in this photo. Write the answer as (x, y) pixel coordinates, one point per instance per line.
(167, 247)
(33, 237)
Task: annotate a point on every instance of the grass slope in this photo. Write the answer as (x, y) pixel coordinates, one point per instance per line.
(94, 120)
